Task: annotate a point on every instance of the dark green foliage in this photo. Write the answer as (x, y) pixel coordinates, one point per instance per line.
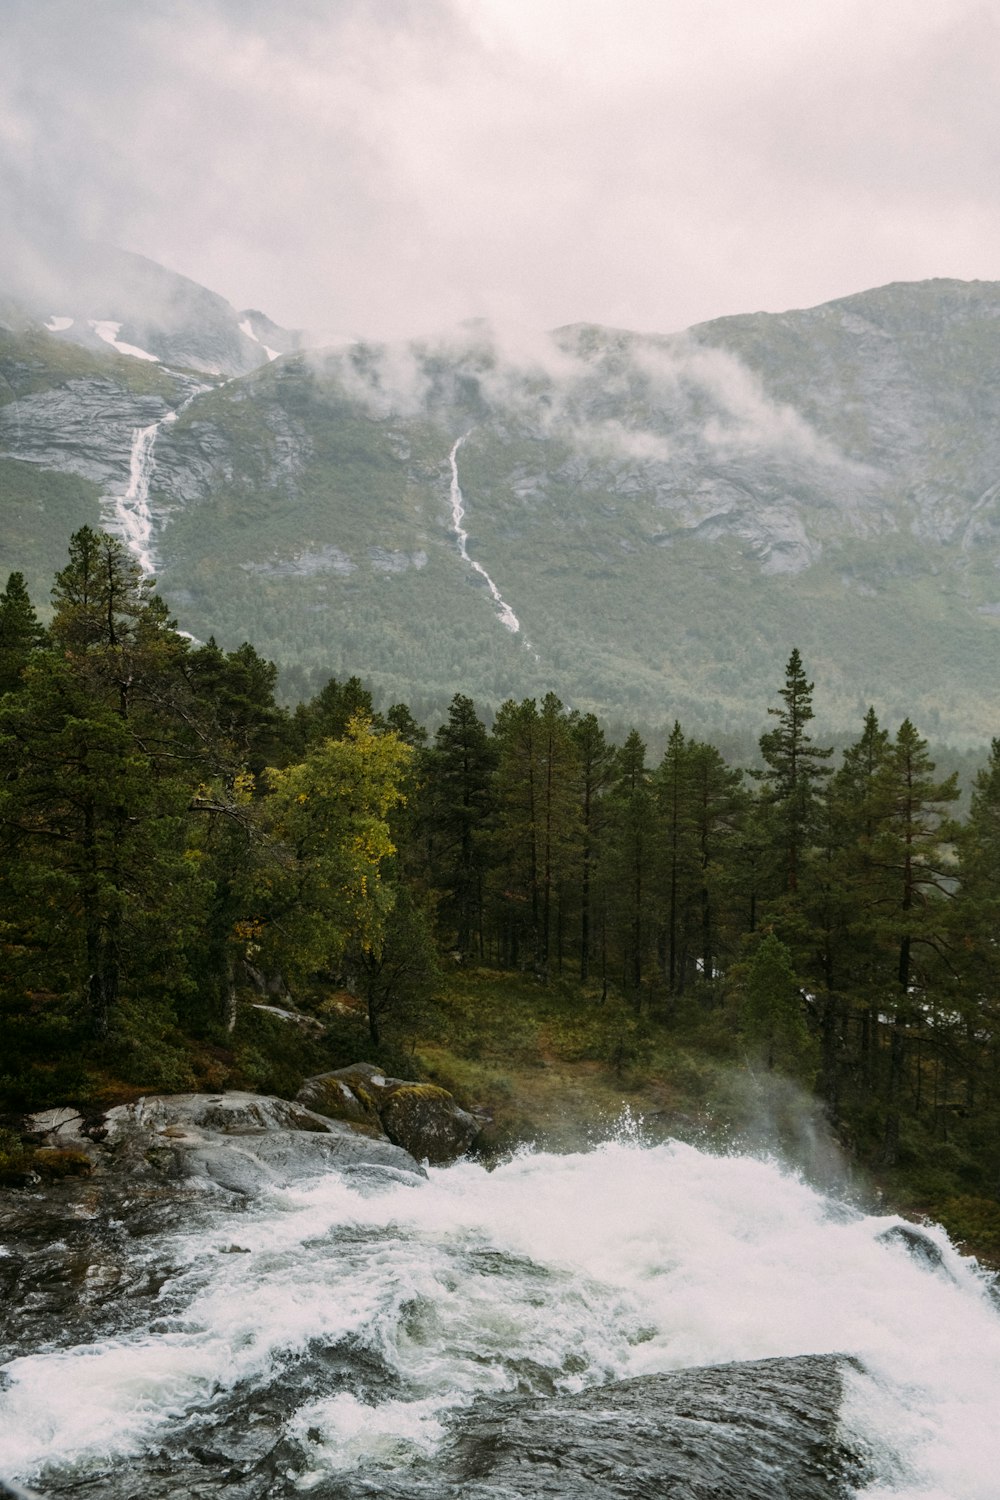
(328, 714)
(20, 632)
(771, 1009)
(793, 776)
(456, 804)
(176, 850)
(397, 979)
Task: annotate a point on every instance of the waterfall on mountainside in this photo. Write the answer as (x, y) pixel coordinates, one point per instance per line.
(506, 615)
(133, 517)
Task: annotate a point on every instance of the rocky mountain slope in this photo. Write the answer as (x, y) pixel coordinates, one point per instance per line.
(645, 524)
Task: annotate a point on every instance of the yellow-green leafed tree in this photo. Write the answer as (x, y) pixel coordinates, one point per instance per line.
(329, 821)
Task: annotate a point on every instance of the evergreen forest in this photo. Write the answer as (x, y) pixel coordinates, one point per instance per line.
(201, 889)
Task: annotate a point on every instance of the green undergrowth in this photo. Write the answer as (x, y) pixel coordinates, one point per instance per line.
(559, 1066)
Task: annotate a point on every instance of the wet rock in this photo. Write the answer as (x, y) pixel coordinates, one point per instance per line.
(77, 1248)
(83, 427)
(918, 1245)
(420, 1117)
(764, 1430)
(244, 1142)
(427, 1122)
(757, 1431)
(346, 1095)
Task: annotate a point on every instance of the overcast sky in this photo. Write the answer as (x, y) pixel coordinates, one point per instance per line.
(385, 167)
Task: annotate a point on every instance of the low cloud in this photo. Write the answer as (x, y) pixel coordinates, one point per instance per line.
(607, 395)
(382, 169)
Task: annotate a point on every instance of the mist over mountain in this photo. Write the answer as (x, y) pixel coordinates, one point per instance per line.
(644, 524)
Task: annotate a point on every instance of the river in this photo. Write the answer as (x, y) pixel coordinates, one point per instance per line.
(353, 1316)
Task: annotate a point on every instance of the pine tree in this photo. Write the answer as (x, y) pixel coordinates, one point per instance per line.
(559, 810)
(975, 924)
(20, 632)
(537, 823)
(916, 874)
(771, 1008)
(596, 763)
(458, 800)
(793, 777)
(92, 830)
(718, 811)
(109, 619)
(633, 862)
(327, 716)
(846, 898)
(679, 853)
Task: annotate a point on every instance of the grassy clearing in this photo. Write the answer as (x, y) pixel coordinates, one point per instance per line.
(556, 1066)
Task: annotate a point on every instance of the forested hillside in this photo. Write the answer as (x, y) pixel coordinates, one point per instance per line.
(178, 850)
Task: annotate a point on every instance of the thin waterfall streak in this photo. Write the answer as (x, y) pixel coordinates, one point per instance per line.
(506, 614)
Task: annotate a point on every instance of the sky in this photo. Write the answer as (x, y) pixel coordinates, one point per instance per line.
(383, 168)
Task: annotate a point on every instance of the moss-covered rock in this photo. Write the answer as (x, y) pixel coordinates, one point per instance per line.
(429, 1120)
(422, 1118)
(347, 1095)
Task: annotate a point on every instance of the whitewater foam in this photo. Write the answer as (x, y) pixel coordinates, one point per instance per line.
(547, 1274)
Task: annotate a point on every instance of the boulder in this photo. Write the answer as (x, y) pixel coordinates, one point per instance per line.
(918, 1245)
(419, 1117)
(766, 1430)
(426, 1121)
(244, 1142)
(348, 1095)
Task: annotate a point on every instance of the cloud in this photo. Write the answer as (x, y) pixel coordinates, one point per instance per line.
(386, 167)
(608, 396)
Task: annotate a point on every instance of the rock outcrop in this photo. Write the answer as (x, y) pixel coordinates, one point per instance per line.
(764, 1430)
(420, 1117)
(74, 1239)
(243, 1142)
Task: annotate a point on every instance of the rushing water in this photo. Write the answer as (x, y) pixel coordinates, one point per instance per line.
(506, 615)
(133, 516)
(547, 1274)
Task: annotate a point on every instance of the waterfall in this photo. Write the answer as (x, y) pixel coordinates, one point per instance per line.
(373, 1310)
(506, 615)
(133, 517)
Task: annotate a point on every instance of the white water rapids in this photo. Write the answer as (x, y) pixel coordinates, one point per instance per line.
(505, 613)
(549, 1272)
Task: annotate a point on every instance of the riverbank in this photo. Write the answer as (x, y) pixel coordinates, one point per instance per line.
(557, 1066)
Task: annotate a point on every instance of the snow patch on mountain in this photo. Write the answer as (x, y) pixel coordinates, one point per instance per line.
(247, 327)
(109, 332)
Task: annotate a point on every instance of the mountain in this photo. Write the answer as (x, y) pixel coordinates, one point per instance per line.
(101, 297)
(645, 524)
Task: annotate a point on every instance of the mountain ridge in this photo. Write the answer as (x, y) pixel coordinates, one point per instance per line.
(665, 514)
